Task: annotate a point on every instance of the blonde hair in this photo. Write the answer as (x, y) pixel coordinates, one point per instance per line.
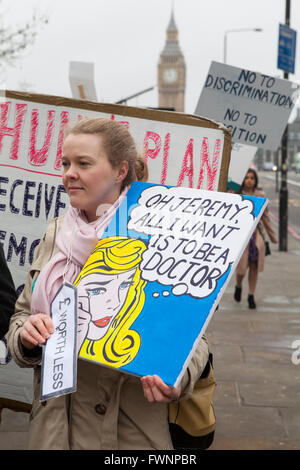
(120, 344)
(118, 144)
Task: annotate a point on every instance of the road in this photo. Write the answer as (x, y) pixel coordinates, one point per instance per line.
(267, 180)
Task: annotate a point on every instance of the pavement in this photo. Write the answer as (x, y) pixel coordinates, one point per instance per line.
(257, 398)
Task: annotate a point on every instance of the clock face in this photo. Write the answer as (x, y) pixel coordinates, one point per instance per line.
(170, 75)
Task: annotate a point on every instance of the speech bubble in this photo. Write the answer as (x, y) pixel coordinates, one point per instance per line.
(194, 236)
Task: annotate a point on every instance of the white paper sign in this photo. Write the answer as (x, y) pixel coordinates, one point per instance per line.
(241, 159)
(81, 76)
(254, 105)
(59, 363)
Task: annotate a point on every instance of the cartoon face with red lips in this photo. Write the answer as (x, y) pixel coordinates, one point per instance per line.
(100, 298)
(110, 297)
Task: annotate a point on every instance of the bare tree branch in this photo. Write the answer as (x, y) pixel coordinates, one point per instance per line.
(13, 42)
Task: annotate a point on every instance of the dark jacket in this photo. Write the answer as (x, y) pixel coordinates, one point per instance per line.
(8, 295)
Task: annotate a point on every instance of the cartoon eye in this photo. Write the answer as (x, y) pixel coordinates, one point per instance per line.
(125, 284)
(96, 291)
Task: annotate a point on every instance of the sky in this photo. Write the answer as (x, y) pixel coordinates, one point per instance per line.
(124, 38)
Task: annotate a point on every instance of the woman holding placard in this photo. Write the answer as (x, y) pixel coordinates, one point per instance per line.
(109, 410)
(253, 257)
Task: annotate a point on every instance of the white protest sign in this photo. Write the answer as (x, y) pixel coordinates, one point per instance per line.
(241, 158)
(254, 105)
(81, 77)
(59, 362)
(180, 150)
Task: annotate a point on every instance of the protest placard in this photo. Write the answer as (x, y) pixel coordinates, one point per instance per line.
(254, 105)
(154, 280)
(59, 361)
(180, 150)
(81, 77)
(241, 159)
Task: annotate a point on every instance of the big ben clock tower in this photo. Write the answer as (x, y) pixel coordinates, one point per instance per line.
(171, 72)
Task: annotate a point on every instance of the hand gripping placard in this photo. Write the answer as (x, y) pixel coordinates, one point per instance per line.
(59, 362)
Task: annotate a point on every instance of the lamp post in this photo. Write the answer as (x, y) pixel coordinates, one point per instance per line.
(283, 194)
(241, 30)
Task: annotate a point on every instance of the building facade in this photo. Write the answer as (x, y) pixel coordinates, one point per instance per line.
(171, 72)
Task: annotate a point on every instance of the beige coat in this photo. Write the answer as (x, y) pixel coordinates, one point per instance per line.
(265, 226)
(108, 410)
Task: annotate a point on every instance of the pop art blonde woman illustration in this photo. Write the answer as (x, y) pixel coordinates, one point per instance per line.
(110, 298)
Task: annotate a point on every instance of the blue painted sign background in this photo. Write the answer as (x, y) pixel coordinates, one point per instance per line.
(192, 241)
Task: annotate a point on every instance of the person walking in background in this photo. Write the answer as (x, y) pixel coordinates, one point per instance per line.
(8, 295)
(253, 257)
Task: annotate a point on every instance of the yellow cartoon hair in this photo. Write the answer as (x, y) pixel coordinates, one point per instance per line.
(120, 344)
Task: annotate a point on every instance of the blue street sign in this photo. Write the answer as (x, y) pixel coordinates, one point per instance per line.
(286, 49)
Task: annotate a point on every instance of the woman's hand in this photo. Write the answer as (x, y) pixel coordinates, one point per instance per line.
(36, 330)
(155, 390)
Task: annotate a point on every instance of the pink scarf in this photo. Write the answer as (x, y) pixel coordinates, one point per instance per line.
(76, 240)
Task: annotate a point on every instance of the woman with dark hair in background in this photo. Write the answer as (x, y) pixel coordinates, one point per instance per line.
(253, 257)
